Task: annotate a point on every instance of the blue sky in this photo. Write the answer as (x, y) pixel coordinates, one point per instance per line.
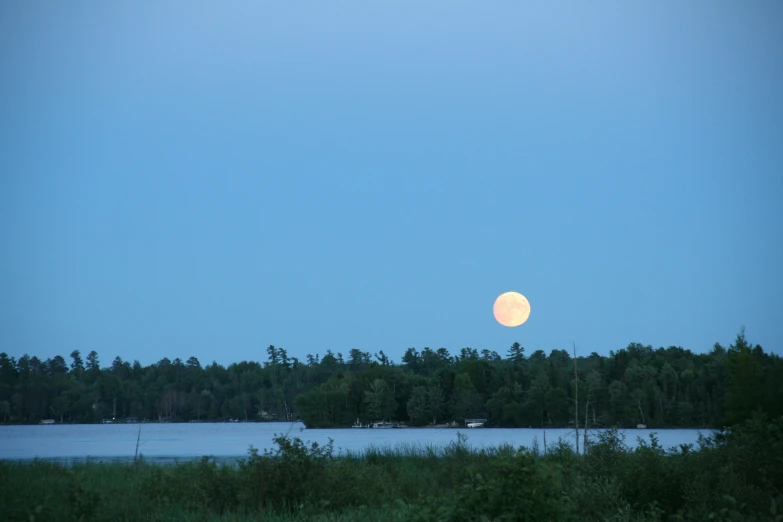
(210, 178)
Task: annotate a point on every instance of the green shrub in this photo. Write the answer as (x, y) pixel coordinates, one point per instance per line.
(519, 488)
(285, 478)
(734, 475)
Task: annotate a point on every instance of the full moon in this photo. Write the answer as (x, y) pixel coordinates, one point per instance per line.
(511, 309)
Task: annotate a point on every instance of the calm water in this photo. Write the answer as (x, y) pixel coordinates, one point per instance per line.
(167, 442)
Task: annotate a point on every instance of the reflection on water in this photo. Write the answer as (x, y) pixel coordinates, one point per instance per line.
(165, 443)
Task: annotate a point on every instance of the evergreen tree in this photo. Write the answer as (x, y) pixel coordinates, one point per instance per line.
(664, 387)
(516, 353)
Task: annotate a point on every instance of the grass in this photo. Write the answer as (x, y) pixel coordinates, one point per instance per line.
(735, 475)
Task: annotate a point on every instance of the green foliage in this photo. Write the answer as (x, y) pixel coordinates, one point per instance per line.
(516, 488)
(745, 381)
(425, 405)
(664, 387)
(379, 400)
(285, 478)
(734, 475)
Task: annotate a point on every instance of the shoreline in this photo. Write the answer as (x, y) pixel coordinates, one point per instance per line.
(436, 427)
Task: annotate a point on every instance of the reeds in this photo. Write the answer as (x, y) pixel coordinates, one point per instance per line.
(414, 482)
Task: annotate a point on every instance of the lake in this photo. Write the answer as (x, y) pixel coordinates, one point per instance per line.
(228, 441)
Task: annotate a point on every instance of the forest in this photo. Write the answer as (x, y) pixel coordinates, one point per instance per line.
(664, 387)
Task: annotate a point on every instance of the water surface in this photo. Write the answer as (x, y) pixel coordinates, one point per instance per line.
(228, 441)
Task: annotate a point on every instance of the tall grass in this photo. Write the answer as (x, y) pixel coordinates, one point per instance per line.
(735, 475)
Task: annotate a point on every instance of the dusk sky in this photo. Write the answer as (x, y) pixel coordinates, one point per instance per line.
(210, 178)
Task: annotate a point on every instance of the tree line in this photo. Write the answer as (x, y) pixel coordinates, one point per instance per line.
(664, 387)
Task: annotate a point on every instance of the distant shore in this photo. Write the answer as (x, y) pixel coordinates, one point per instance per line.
(452, 425)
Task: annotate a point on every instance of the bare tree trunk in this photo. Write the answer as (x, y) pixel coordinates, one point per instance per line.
(576, 402)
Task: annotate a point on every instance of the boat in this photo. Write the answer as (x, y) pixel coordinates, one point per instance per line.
(641, 426)
(382, 425)
(47, 421)
(475, 423)
(358, 424)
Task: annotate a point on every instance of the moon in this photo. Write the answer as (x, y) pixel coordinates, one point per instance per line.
(511, 309)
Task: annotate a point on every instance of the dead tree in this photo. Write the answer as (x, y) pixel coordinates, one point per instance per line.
(639, 403)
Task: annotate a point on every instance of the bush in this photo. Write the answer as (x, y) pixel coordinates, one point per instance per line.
(519, 488)
(734, 475)
(285, 478)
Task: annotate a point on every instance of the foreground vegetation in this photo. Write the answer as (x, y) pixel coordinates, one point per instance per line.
(664, 387)
(736, 474)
